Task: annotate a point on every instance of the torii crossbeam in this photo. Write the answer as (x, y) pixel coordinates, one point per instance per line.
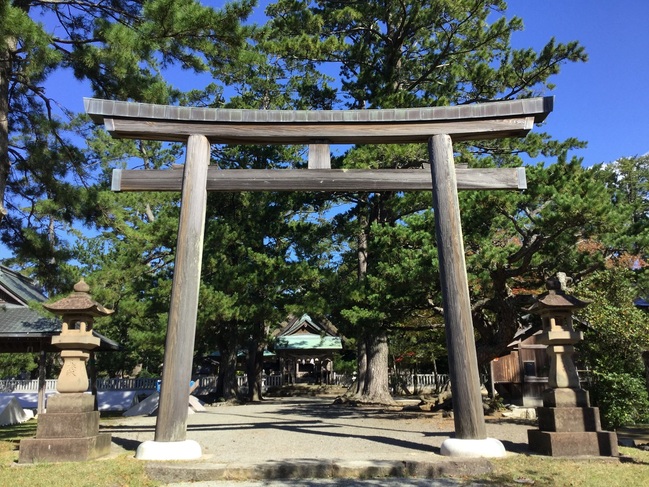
(438, 126)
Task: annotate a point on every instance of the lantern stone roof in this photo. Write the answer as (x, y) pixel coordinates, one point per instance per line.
(556, 299)
(78, 302)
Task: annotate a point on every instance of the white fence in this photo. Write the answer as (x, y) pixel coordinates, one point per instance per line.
(427, 381)
(148, 383)
(418, 383)
(414, 382)
(15, 385)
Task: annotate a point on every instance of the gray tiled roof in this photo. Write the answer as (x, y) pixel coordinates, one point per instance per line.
(21, 320)
(25, 327)
(98, 109)
(20, 288)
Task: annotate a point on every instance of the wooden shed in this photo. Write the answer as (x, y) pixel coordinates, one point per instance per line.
(521, 375)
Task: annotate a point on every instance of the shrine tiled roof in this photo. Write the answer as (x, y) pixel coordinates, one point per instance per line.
(18, 289)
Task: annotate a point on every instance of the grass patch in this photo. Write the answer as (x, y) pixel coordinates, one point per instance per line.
(516, 470)
(15, 432)
(120, 471)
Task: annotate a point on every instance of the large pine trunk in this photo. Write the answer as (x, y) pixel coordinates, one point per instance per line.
(227, 386)
(372, 384)
(497, 320)
(355, 391)
(377, 387)
(256, 362)
(6, 57)
(227, 342)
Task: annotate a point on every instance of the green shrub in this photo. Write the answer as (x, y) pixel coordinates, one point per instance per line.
(621, 397)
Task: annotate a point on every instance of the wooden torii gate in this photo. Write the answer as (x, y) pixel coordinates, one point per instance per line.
(199, 127)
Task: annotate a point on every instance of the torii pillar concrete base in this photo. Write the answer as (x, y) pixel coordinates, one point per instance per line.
(169, 450)
(487, 448)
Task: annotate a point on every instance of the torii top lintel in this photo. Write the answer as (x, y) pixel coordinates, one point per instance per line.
(490, 120)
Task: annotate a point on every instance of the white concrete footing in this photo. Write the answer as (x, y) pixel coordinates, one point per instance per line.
(169, 450)
(487, 448)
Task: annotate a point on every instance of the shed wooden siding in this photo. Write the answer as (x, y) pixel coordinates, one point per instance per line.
(537, 355)
(511, 368)
(507, 368)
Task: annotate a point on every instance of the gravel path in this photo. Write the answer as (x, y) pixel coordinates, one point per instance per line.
(282, 429)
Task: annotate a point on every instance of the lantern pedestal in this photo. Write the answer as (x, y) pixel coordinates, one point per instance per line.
(568, 444)
(67, 432)
(569, 427)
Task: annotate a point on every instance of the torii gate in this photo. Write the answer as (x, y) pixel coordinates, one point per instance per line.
(199, 127)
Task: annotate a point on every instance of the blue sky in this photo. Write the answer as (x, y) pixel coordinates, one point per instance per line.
(605, 100)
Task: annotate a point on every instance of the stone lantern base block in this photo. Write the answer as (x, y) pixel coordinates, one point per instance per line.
(565, 397)
(169, 450)
(570, 444)
(51, 450)
(466, 448)
(67, 432)
(68, 425)
(568, 419)
(70, 403)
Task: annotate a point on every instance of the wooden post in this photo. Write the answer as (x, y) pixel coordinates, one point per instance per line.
(319, 156)
(181, 327)
(92, 372)
(42, 382)
(491, 377)
(463, 365)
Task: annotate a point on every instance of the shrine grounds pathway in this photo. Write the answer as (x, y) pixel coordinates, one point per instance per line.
(310, 437)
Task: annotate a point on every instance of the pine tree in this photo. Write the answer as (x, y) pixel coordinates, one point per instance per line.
(261, 258)
(408, 54)
(123, 49)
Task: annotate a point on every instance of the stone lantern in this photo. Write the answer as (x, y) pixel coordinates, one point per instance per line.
(568, 425)
(69, 429)
(78, 312)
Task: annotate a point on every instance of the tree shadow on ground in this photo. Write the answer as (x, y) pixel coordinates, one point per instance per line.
(326, 408)
(126, 443)
(321, 418)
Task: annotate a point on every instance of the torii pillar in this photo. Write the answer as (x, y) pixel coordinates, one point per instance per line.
(201, 126)
(470, 431)
(170, 441)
